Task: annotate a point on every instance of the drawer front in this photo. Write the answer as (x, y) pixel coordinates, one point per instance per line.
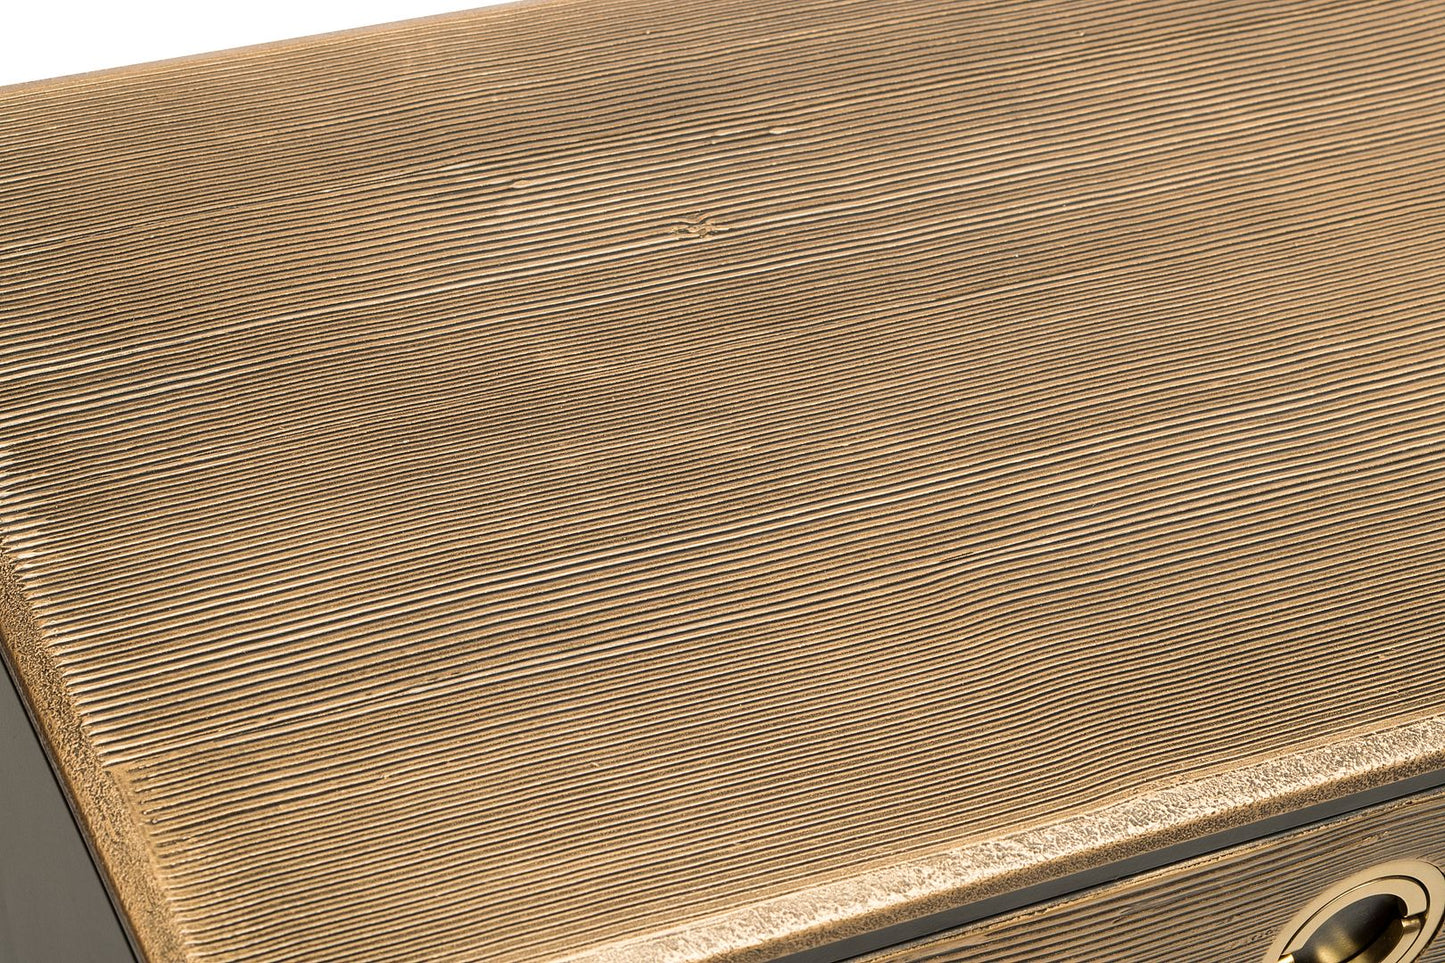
(1228, 907)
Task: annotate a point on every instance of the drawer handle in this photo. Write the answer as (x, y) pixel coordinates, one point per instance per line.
(1386, 914)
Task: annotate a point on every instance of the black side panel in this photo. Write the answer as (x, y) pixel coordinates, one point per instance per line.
(53, 905)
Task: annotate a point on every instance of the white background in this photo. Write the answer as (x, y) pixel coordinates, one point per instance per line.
(51, 38)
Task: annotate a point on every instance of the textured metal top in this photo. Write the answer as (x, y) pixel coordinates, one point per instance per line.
(688, 480)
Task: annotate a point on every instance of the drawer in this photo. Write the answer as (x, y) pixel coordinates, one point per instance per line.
(1227, 907)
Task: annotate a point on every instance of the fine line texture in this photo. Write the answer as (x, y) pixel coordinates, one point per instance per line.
(523, 484)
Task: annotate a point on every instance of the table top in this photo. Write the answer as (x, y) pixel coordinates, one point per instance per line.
(626, 480)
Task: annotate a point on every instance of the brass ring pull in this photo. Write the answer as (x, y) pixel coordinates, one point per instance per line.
(1386, 914)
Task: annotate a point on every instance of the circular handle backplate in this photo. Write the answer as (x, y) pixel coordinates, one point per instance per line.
(1386, 914)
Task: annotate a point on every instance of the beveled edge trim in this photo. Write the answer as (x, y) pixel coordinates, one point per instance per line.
(925, 895)
(97, 803)
(1113, 872)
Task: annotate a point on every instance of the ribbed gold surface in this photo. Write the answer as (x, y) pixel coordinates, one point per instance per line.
(514, 484)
